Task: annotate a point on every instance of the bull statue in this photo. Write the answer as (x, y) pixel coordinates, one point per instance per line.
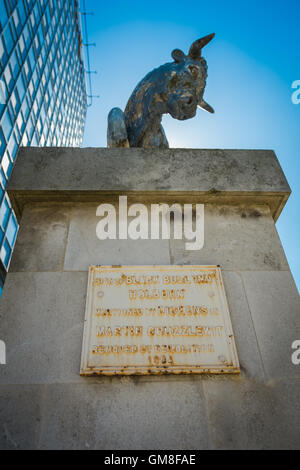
(176, 88)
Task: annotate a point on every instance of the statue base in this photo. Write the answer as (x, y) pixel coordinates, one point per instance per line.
(55, 194)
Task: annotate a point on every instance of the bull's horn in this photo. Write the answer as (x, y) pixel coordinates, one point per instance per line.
(178, 55)
(195, 49)
(206, 106)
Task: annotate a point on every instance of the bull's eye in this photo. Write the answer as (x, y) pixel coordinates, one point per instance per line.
(194, 70)
(173, 82)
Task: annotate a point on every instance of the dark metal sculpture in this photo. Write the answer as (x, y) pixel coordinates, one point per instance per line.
(176, 88)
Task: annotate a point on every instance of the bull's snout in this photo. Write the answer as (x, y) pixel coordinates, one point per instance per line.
(183, 106)
(188, 100)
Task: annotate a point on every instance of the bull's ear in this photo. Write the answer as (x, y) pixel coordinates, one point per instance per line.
(197, 46)
(178, 55)
(206, 106)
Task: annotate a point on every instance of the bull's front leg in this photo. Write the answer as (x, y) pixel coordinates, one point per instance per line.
(155, 138)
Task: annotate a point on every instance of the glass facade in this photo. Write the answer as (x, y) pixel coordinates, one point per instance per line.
(43, 98)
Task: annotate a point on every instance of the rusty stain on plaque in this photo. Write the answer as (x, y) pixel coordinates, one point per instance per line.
(157, 320)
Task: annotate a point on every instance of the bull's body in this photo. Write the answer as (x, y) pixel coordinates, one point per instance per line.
(176, 88)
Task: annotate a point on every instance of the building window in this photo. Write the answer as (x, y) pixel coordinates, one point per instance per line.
(6, 125)
(11, 231)
(8, 38)
(5, 253)
(4, 213)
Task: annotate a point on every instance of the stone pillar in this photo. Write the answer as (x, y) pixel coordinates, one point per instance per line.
(46, 404)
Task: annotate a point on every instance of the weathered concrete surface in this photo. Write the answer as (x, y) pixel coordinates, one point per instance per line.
(126, 414)
(247, 346)
(228, 231)
(43, 239)
(229, 176)
(238, 238)
(248, 415)
(280, 295)
(42, 327)
(44, 403)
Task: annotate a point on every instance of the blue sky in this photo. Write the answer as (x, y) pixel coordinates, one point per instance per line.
(252, 63)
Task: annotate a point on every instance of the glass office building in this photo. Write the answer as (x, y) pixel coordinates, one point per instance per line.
(43, 97)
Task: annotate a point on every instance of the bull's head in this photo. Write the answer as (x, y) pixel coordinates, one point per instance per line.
(186, 82)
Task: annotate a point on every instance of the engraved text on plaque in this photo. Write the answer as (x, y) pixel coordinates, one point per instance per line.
(157, 320)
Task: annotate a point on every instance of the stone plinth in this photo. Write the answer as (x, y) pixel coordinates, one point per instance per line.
(46, 404)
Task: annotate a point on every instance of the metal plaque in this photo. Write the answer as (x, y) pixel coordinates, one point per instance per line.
(157, 320)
